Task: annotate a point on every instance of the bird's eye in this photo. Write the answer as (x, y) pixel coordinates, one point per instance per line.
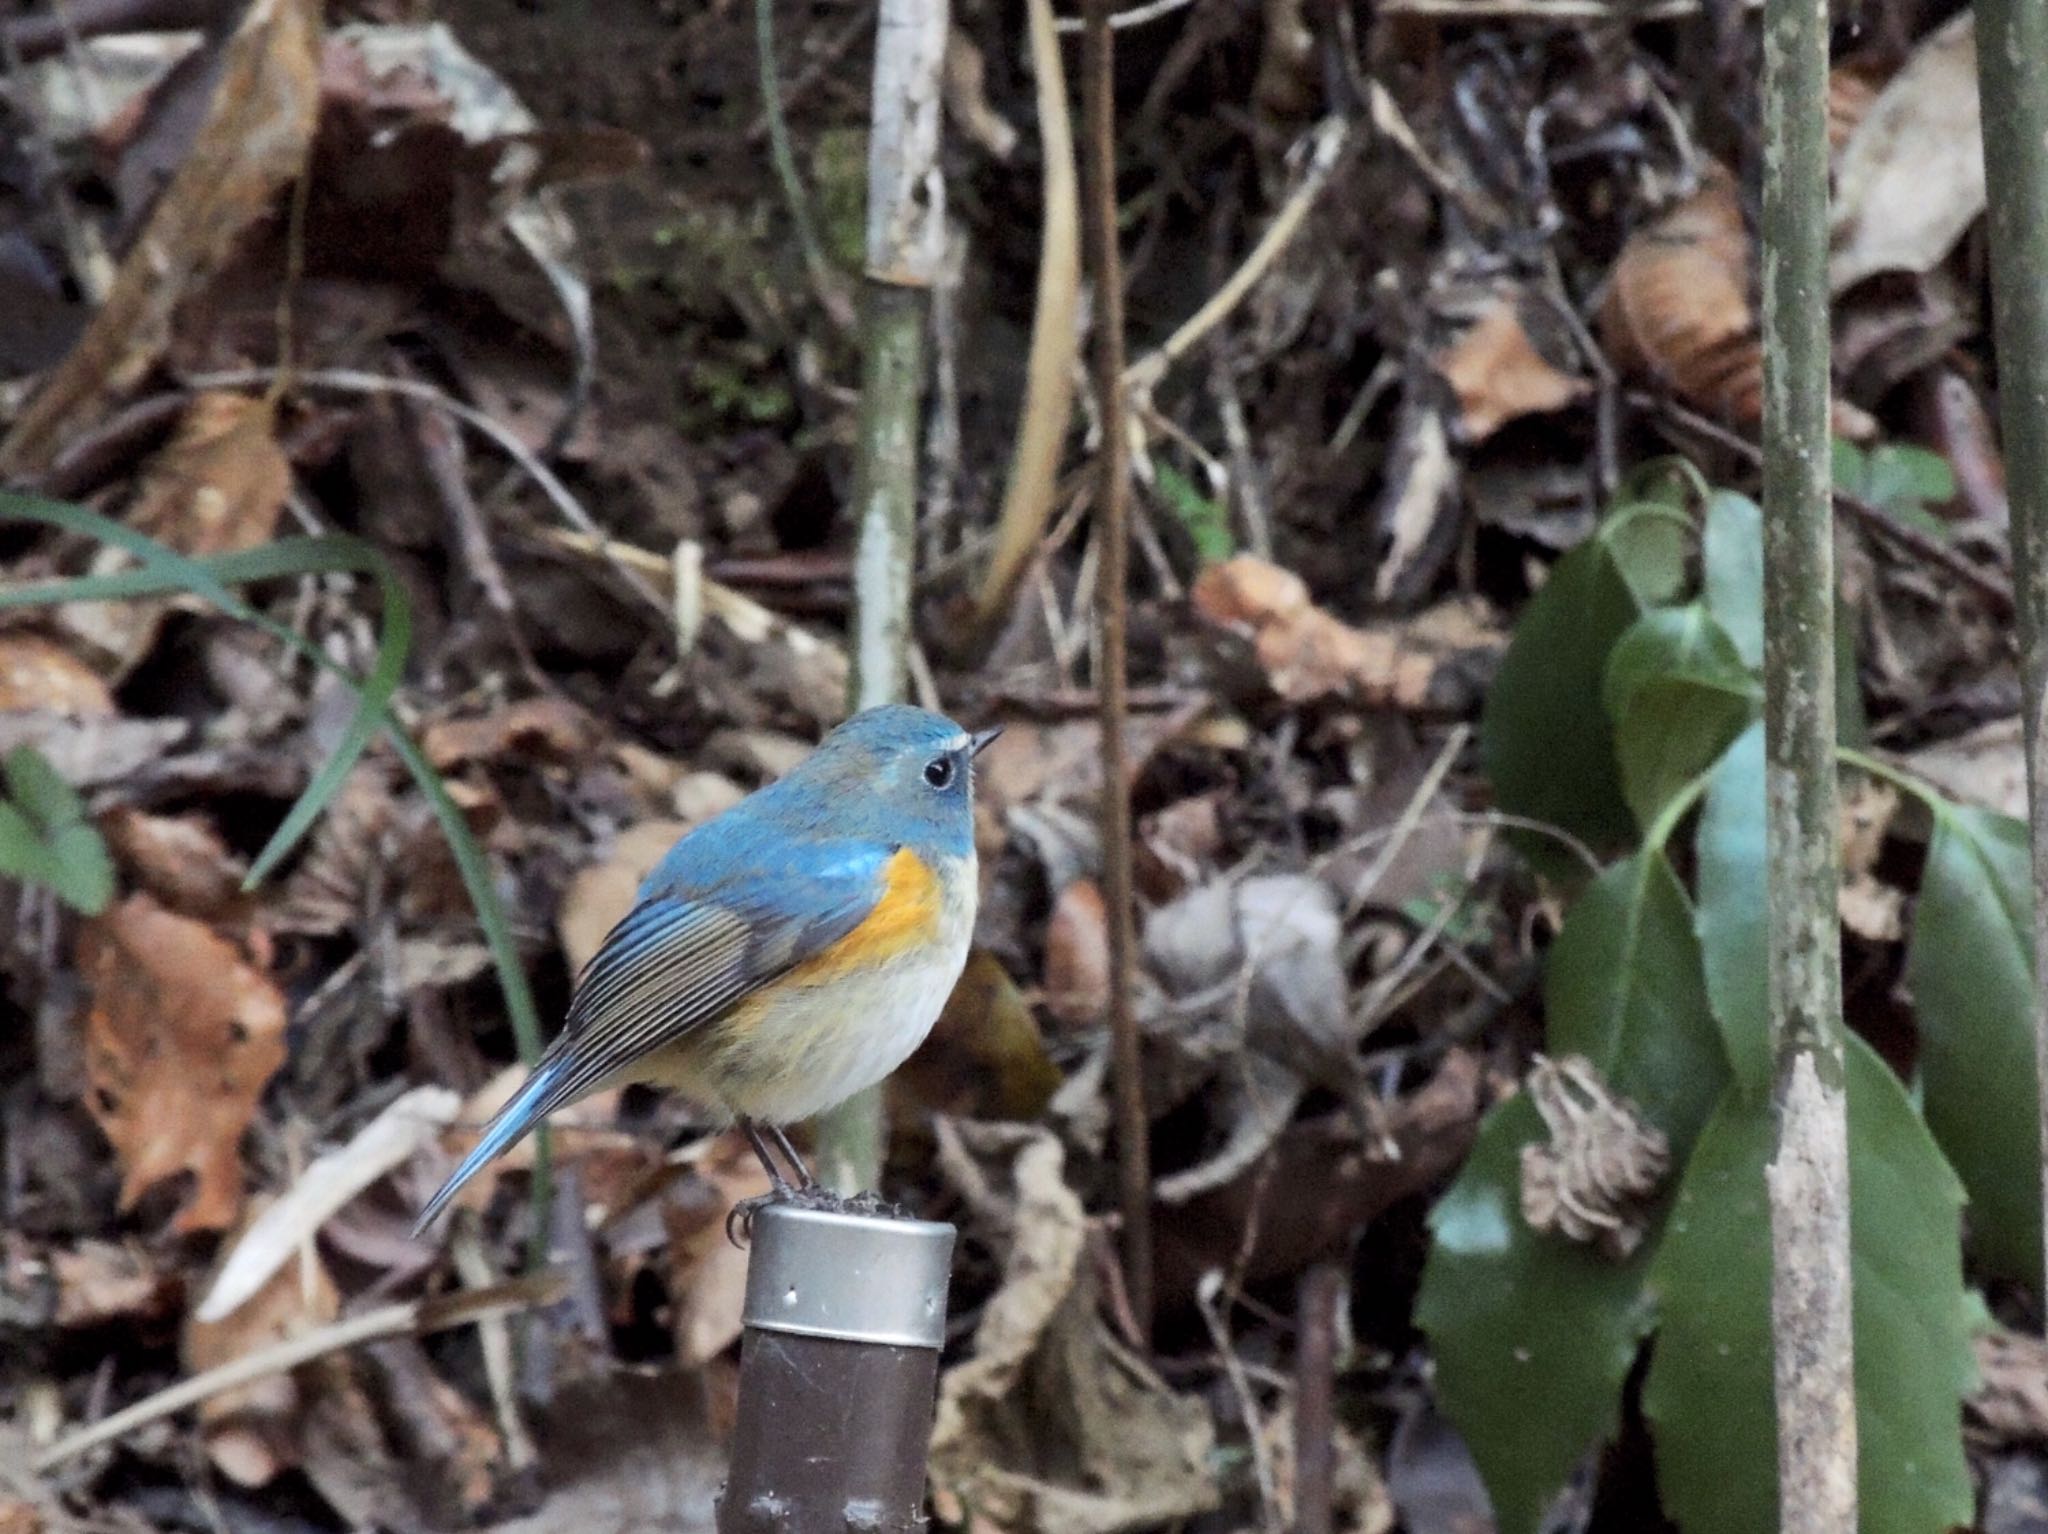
(939, 772)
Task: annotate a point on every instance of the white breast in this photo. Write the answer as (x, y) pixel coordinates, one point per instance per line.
(814, 1048)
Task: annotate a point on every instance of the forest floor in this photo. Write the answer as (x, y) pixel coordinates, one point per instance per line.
(1497, 257)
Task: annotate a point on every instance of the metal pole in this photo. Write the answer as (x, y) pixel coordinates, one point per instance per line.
(839, 1362)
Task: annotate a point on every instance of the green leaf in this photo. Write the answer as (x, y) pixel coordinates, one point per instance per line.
(1901, 476)
(1533, 1335)
(1547, 743)
(1732, 556)
(1708, 1393)
(1648, 544)
(1678, 694)
(1206, 519)
(1970, 966)
(1625, 988)
(1851, 469)
(46, 837)
(1733, 920)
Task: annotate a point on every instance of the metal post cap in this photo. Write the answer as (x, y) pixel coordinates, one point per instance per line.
(857, 1277)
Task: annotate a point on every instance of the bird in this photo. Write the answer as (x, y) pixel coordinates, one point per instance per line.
(783, 955)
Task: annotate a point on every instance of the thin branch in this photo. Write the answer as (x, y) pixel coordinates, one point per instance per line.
(906, 217)
(1808, 1176)
(1325, 142)
(1113, 537)
(824, 280)
(414, 1317)
(2012, 41)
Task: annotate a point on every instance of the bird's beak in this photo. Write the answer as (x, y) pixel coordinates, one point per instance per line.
(981, 740)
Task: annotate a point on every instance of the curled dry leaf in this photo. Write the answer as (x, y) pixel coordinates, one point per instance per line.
(1498, 374)
(216, 488)
(1910, 179)
(1594, 1179)
(38, 673)
(182, 1032)
(1052, 1426)
(1306, 654)
(1677, 307)
(1677, 310)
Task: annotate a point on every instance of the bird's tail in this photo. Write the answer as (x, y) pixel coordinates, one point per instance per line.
(539, 1096)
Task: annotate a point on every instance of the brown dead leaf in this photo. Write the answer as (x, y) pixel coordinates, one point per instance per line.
(251, 1431)
(1499, 376)
(254, 140)
(39, 673)
(182, 1033)
(180, 859)
(20, 1518)
(1077, 955)
(1307, 654)
(216, 488)
(1677, 307)
(600, 896)
(546, 728)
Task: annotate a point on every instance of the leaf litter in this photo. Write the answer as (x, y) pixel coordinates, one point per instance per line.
(231, 1101)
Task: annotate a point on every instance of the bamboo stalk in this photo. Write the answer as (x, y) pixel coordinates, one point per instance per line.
(1809, 1171)
(1112, 534)
(2012, 43)
(905, 231)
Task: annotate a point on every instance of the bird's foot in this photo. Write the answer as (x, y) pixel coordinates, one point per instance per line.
(739, 1224)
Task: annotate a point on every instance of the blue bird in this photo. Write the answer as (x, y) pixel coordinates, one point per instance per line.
(786, 954)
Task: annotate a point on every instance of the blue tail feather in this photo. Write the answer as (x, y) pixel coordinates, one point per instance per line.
(507, 1127)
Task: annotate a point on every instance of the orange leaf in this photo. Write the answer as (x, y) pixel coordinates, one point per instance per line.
(182, 1034)
(1077, 955)
(1499, 376)
(1678, 310)
(40, 673)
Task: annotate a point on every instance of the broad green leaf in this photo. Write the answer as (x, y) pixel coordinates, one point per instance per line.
(1625, 988)
(1732, 558)
(1733, 919)
(1899, 476)
(1678, 694)
(1970, 966)
(1708, 1393)
(1533, 1335)
(1648, 544)
(46, 837)
(1547, 742)
(1205, 518)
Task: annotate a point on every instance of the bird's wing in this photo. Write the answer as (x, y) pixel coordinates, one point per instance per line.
(677, 960)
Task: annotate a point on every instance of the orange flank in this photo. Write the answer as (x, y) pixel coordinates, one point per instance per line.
(904, 918)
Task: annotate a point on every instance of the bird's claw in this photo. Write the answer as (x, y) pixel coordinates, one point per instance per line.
(739, 1224)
